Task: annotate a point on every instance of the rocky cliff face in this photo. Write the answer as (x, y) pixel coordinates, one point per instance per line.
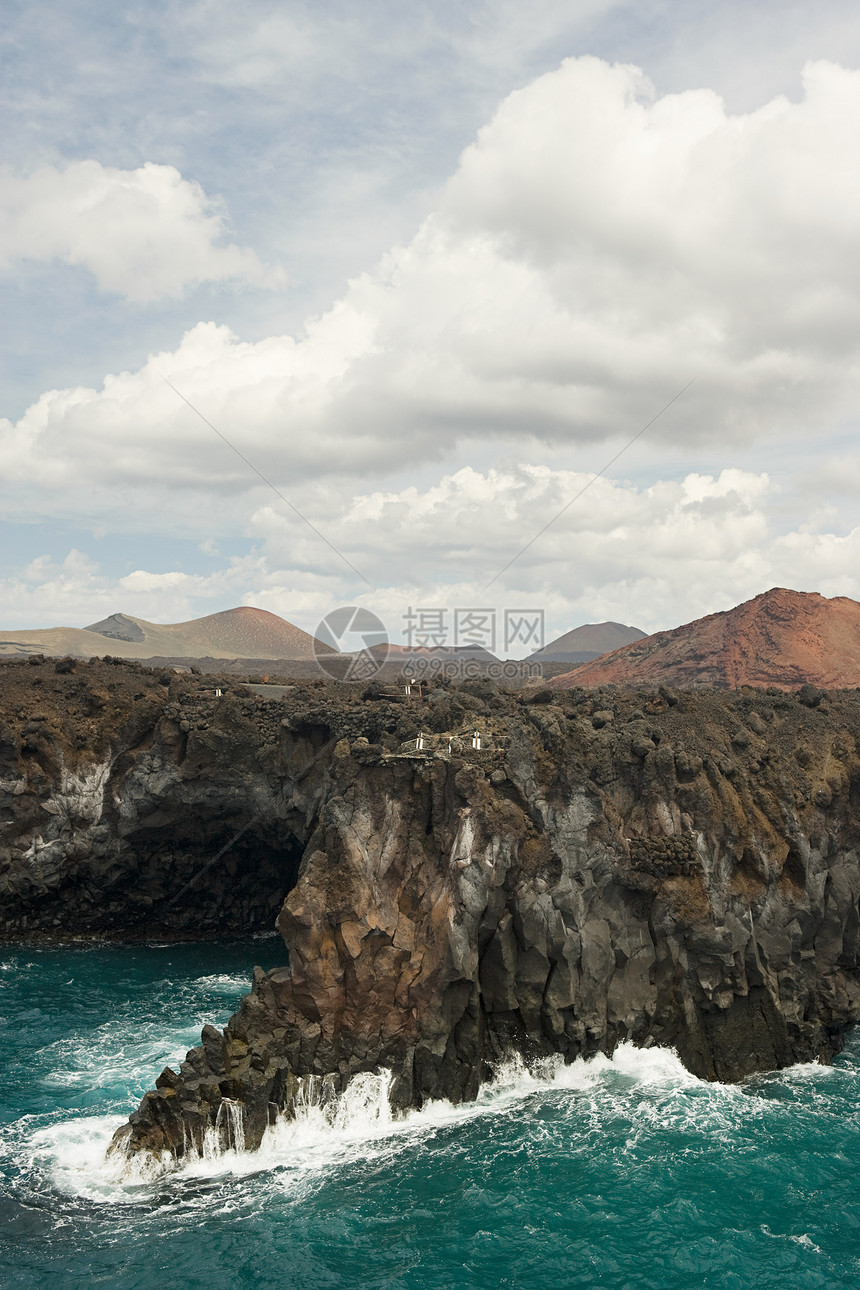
(672, 869)
(116, 790)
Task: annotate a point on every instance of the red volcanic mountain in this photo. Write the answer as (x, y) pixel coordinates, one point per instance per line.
(235, 633)
(781, 638)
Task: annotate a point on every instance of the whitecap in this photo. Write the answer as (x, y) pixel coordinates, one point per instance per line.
(327, 1130)
(73, 1153)
(804, 1239)
(220, 981)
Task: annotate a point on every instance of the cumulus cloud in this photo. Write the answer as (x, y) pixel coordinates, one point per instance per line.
(75, 591)
(651, 556)
(655, 555)
(146, 234)
(598, 246)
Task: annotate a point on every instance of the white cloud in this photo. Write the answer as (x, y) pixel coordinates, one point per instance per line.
(597, 243)
(709, 537)
(146, 234)
(651, 556)
(597, 247)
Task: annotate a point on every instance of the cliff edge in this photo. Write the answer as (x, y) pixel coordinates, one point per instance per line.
(459, 878)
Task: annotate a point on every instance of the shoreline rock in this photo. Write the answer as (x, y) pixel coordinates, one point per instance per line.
(670, 868)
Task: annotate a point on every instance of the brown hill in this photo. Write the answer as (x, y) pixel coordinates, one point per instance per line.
(586, 642)
(235, 633)
(781, 638)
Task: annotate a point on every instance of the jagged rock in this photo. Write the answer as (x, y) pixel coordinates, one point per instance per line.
(433, 930)
(687, 764)
(440, 914)
(602, 718)
(810, 696)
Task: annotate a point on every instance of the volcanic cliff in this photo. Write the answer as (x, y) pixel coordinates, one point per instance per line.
(781, 638)
(460, 875)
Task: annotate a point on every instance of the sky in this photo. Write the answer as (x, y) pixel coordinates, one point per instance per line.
(428, 307)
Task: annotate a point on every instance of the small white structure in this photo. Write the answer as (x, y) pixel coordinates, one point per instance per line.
(218, 692)
(476, 739)
(420, 743)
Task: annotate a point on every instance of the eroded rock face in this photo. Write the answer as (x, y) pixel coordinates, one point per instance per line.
(655, 879)
(658, 866)
(117, 790)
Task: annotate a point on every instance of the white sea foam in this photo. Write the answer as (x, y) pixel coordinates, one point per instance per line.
(803, 1239)
(73, 1154)
(647, 1087)
(220, 981)
(122, 1055)
(327, 1131)
(800, 1073)
(112, 1059)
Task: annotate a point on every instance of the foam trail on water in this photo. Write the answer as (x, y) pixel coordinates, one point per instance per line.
(327, 1130)
(118, 1056)
(73, 1155)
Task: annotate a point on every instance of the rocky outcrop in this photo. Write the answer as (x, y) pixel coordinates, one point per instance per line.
(117, 787)
(781, 638)
(672, 872)
(679, 869)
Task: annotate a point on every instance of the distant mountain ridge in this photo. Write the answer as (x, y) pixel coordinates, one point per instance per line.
(781, 638)
(406, 652)
(119, 627)
(587, 642)
(243, 632)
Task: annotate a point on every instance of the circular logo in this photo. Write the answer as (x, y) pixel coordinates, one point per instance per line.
(351, 644)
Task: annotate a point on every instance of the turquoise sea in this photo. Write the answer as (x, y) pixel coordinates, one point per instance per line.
(624, 1173)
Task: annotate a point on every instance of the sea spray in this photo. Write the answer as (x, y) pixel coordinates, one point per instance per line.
(234, 1123)
(323, 1127)
(622, 1170)
(362, 1110)
(328, 1123)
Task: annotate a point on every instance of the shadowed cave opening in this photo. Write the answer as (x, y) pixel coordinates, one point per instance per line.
(209, 882)
(188, 877)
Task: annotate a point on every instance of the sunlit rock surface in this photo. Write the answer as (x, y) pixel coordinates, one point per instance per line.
(781, 638)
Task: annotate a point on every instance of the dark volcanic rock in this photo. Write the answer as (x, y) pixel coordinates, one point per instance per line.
(612, 866)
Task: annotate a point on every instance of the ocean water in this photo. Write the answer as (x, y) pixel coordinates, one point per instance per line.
(609, 1173)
